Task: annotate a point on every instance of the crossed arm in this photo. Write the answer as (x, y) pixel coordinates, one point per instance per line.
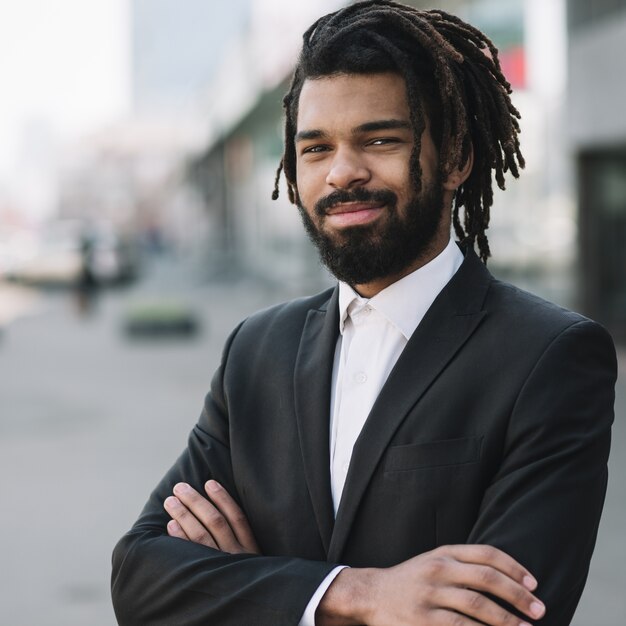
(216, 574)
(449, 585)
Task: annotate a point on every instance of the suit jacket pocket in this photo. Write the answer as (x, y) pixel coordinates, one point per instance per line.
(433, 454)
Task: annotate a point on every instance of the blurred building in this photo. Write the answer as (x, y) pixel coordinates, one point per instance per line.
(236, 167)
(597, 46)
(131, 176)
(133, 172)
(533, 228)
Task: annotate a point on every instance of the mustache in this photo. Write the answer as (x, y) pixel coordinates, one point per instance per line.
(382, 196)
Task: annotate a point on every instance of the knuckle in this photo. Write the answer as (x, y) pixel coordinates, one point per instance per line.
(217, 522)
(487, 553)
(504, 618)
(475, 602)
(520, 596)
(240, 519)
(435, 567)
(201, 536)
(456, 619)
(181, 513)
(441, 550)
(487, 576)
(194, 499)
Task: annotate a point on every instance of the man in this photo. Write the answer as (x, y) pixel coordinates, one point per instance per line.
(441, 434)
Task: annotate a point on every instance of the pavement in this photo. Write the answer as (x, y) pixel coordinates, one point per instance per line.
(90, 420)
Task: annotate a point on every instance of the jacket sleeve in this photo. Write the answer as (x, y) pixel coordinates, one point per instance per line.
(159, 580)
(544, 505)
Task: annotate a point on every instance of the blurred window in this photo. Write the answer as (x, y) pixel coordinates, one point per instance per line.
(582, 13)
(603, 233)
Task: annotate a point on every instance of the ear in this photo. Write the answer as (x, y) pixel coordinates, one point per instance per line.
(460, 174)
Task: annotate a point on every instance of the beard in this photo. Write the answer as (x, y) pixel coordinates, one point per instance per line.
(363, 253)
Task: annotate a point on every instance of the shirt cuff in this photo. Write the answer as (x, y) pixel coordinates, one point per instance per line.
(308, 617)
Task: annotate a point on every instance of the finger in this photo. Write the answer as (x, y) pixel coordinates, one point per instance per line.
(451, 573)
(189, 523)
(174, 530)
(210, 518)
(476, 606)
(234, 515)
(488, 555)
(489, 580)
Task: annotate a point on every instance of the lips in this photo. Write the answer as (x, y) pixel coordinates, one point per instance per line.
(353, 213)
(351, 207)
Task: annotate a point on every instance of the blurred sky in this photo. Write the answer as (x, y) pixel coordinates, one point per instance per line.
(64, 66)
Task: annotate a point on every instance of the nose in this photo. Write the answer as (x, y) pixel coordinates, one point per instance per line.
(347, 170)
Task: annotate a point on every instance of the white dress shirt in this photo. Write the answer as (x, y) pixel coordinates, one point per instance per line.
(372, 334)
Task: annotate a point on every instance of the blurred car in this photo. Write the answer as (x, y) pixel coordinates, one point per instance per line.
(57, 256)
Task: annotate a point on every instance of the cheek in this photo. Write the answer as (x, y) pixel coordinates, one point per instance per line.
(399, 181)
(300, 177)
(308, 186)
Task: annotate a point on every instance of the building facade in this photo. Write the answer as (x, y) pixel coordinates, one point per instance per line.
(597, 132)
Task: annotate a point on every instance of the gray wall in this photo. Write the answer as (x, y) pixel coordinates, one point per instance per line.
(597, 90)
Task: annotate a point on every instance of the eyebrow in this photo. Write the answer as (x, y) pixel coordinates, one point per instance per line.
(381, 125)
(367, 127)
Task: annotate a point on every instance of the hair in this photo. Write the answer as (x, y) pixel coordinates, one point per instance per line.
(453, 79)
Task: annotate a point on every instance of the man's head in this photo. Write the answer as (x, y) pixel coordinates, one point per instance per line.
(457, 110)
(353, 143)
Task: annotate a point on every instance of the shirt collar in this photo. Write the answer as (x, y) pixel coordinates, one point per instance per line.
(405, 302)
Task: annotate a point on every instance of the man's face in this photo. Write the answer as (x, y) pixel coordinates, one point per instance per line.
(353, 144)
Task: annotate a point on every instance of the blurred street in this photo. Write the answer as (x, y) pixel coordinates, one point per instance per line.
(91, 419)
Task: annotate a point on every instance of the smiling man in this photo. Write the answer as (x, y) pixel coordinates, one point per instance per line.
(422, 444)
(355, 138)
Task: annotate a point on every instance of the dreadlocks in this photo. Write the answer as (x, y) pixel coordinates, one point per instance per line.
(453, 79)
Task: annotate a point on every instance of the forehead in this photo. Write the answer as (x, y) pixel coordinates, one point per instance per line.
(350, 100)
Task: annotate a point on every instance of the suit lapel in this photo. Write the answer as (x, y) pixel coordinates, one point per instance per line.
(312, 389)
(447, 325)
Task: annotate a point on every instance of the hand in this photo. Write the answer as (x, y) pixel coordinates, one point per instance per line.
(217, 522)
(447, 586)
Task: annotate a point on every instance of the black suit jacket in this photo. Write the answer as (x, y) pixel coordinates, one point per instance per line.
(493, 428)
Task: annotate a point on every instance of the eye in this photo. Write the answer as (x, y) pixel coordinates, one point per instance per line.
(383, 141)
(314, 149)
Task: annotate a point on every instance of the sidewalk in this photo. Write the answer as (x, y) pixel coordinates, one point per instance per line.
(89, 422)
(604, 599)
